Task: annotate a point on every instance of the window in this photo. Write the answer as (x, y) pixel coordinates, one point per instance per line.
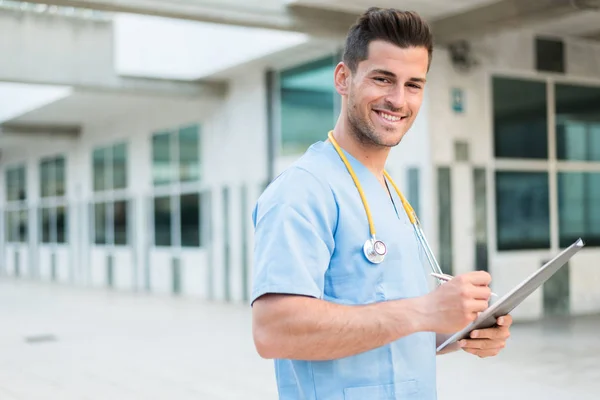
(111, 203)
(177, 201)
(579, 210)
(189, 208)
(520, 119)
(523, 195)
(523, 210)
(480, 201)
(176, 156)
(16, 214)
(549, 55)
(16, 185)
(307, 104)
(53, 205)
(577, 123)
(414, 198)
(444, 185)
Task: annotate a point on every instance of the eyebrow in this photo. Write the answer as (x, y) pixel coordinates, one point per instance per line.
(392, 75)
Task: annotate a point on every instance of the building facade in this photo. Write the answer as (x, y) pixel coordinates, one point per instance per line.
(502, 166)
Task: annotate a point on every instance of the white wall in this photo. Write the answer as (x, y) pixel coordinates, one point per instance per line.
(510, 54)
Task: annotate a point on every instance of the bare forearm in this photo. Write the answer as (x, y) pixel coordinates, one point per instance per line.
(305, 328)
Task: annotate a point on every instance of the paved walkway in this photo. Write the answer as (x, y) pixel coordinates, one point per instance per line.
(67, 343)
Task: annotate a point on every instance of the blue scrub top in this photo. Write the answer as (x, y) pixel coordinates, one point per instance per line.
(310, 228)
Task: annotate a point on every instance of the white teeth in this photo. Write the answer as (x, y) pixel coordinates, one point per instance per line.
(390, 118)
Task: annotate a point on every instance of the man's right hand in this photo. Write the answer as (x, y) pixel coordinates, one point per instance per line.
(456, 303)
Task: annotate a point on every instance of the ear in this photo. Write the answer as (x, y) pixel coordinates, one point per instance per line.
(342, 78)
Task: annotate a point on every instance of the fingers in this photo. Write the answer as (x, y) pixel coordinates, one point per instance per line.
(482, 344)
(501, 333)
(505, 321)
(481, 292)
(478, 278)
(477, 306)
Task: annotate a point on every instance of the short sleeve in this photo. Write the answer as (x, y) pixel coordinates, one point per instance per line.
(294, 223)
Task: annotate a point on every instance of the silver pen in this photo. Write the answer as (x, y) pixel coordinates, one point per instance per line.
(446, 278)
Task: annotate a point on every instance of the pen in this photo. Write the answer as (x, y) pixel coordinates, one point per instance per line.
(446, 278)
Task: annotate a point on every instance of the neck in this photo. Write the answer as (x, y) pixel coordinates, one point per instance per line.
(371, 156)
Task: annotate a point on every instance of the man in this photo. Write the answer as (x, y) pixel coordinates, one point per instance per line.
(341, 324)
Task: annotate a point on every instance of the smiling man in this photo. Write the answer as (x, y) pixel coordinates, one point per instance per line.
(340, 295)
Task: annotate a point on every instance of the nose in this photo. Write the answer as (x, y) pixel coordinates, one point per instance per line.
(396, 98)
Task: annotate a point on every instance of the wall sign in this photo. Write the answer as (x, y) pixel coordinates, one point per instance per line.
(458, 100)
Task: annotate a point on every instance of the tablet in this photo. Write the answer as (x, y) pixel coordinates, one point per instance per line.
(512, 299)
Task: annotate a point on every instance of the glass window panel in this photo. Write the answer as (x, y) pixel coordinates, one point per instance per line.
(162, 167)
(11, 185)
(445, 219)
(414, 190)
(120, 222)
(22, 184)
(190, 220)
(46, 171)
(572, 138)
(119, 159)
(60, 184)
(481, 239)
(15, 184)
(594, 148)
(520, 118)
(162, 221)
(14, 232)
(99, 169)
(227, 244)
(578, 122)
(579, 214)
(46, 225)
(307, 104)
(22, 228)
(592, 205)
(523, 210)
(8, 226)
(61, 225)
(189, 158)
(100, 223)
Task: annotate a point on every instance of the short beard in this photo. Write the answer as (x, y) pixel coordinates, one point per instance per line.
(362, 130)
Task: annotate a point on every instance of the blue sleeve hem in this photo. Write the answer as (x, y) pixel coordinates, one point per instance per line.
(280, 289)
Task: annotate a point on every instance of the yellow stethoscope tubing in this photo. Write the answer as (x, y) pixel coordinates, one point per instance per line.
(412, 216)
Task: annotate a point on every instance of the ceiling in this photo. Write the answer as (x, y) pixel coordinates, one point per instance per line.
(82, 108)
(427, 8)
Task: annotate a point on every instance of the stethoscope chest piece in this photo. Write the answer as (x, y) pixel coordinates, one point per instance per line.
(375, 250)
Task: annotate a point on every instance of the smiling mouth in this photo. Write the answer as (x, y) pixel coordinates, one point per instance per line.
(390, 117)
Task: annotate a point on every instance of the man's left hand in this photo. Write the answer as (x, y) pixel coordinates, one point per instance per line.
(488, 342)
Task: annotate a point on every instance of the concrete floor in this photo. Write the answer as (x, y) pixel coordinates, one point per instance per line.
(67, 343)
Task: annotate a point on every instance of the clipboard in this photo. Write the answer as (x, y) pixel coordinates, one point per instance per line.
(512, 299)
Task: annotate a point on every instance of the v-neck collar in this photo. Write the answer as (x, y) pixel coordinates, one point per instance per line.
(367, 179)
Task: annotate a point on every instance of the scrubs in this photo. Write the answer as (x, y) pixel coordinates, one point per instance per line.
(310, 228)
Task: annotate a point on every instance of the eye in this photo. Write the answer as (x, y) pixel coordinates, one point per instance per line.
(414, 86)
(382, 80)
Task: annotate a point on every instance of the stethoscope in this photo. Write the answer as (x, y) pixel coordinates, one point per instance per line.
(374, 249)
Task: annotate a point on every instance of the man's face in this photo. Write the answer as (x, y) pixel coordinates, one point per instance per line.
(385, 93)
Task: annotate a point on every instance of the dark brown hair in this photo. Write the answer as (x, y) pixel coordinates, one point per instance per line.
(402, 28)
